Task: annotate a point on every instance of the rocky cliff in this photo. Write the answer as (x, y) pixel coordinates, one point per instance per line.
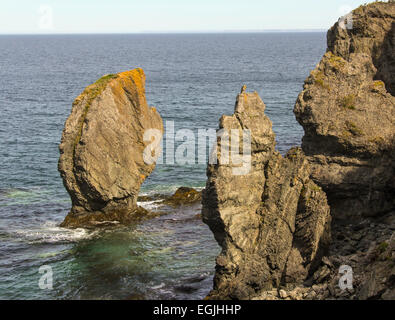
(101, 152)
(272, 222)
(347, 110)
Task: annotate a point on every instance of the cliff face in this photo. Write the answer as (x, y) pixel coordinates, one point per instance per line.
(372, 33)
(347, 110)
(102, 147)
(273, 223)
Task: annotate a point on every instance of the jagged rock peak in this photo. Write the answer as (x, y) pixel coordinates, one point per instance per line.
(272, 221)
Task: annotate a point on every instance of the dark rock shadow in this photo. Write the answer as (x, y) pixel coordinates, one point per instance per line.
(366, 192)
(385, 62)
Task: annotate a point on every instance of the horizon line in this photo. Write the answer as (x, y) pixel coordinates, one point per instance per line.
(169, 32)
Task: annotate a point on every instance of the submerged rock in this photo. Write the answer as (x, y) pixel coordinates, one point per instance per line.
(347, 109)
(183, 196)
(101, 152)
(272, 222)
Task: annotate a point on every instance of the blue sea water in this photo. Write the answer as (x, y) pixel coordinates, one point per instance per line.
(192, 79)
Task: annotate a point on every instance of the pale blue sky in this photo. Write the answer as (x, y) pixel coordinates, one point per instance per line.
(131, 16)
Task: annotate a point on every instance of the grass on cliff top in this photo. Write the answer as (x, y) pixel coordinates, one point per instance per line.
(367, 5)
(106, 78)
(90, 93)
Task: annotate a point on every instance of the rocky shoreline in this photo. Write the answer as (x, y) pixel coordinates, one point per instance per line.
(288, 225)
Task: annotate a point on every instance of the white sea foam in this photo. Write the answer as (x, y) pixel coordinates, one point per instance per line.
(50, 232)
(158, 287)
(150, 205)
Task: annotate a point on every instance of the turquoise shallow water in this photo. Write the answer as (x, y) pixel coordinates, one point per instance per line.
(146, 261)
(192, 80)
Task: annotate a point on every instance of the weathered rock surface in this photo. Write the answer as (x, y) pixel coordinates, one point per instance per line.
(273, 222)
(347, 109)
(184, 196)
(101, 152)
(368, 248)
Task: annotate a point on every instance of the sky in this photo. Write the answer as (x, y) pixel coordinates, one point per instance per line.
(132, 16)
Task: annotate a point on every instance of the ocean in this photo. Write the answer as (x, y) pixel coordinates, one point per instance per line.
(192, 79)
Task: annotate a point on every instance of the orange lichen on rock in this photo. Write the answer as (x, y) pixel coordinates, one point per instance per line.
(110, 117)
(134, 79)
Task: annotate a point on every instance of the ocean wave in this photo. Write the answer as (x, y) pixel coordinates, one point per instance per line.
(51, 233)
(160, 286)
(150, 205)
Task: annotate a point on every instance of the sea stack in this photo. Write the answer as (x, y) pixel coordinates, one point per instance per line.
(272, 222)
(347, 110)
(102, 150)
